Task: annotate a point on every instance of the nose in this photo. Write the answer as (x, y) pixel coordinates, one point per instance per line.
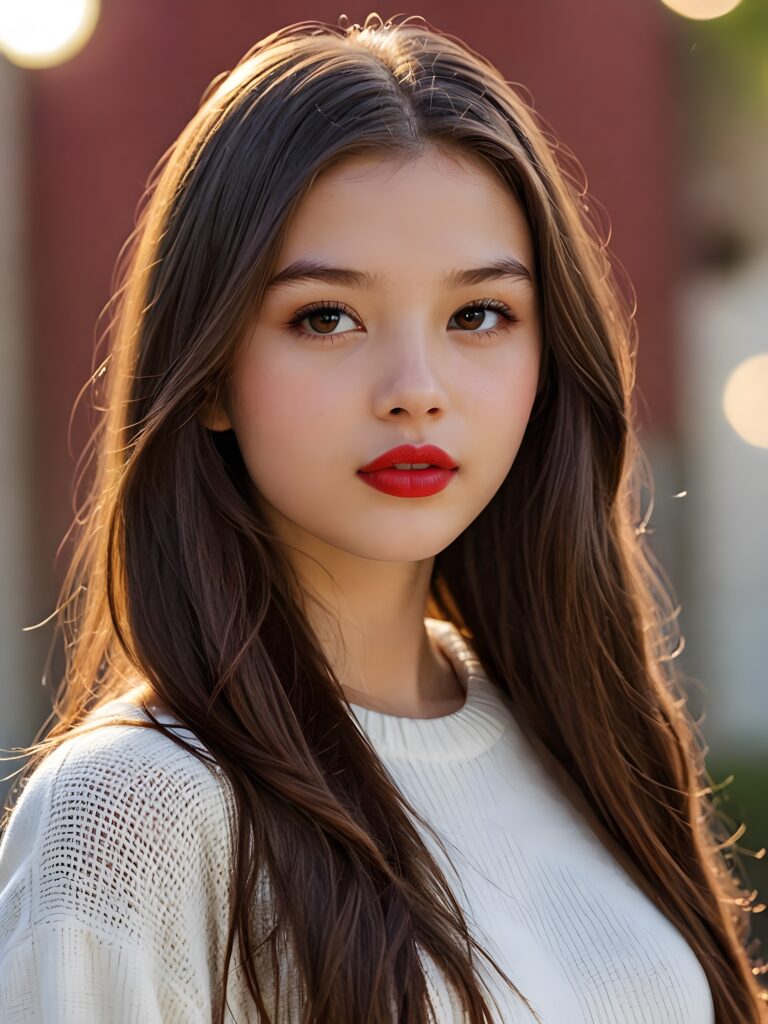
(410, 383)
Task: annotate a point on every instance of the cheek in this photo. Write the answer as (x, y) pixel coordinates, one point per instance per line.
(502, 400)
(498, 410)
(282, 412)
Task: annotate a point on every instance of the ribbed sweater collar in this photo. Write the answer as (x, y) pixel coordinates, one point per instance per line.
(459, 736)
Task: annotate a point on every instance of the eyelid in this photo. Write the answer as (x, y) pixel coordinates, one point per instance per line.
(314, 307)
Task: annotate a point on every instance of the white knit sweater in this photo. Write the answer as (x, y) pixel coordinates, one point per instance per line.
(114, 877)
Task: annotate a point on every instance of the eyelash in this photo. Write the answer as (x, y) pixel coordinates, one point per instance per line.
(341, 307)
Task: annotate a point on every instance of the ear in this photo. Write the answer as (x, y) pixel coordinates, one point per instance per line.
(213, 416)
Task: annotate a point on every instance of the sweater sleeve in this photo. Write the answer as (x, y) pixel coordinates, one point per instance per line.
(113, 885)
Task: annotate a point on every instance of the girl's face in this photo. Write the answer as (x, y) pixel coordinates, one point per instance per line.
(390, 347)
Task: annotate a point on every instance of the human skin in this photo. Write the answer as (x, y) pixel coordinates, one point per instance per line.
(403, 367)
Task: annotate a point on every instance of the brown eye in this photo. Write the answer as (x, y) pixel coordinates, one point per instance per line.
(472, 316)
(321, 319)
(323, 323)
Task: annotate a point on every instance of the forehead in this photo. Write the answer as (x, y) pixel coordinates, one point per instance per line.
(445, 209)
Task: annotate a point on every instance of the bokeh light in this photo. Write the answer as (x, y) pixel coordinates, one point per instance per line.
(700, 10)
(42, 33)
(745, 400)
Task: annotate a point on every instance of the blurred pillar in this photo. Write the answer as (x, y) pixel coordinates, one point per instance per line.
(727, 604)
(21, 703)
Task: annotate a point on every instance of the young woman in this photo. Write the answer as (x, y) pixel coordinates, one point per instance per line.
(370, 712)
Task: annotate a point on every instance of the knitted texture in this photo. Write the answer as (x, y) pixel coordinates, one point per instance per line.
(114, 884)
(115, 872)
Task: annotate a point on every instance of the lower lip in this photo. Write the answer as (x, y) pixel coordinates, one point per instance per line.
(409, 483)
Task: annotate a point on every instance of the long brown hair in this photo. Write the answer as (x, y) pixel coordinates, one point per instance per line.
(177, 579)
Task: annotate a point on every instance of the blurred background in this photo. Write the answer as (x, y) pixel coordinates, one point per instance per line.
(665, 107)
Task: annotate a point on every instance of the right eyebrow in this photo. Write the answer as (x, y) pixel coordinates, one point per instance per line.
(302, 270)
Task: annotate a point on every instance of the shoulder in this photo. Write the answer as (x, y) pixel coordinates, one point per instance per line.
(119, 817)
(117, 773)
(114, 880)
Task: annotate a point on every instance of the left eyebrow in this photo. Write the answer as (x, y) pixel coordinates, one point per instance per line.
(311, 270)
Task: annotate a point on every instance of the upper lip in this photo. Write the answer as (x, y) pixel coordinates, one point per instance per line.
(411, 453)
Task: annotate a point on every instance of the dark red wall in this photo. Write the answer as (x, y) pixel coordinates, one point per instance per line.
(601, 72)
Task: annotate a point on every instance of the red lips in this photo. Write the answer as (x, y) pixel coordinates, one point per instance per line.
(411, 454)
